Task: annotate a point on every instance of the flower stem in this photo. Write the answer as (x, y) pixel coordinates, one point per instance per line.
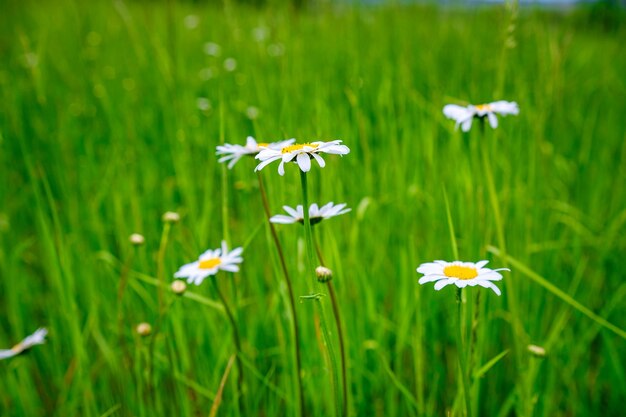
(311, 262)
(292, 301)
(233, 323)
(461, 351)
(342, 350)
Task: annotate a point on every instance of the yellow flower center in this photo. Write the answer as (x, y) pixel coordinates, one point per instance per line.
(460, 272)
(483, 107)
(209, 263)
(263, 145)
(297, 147)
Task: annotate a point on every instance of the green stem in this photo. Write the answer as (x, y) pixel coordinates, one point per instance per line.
(311, 262)
(160, 285)
(461, 352)
(342, 350)
(292, 300)
(233, 323)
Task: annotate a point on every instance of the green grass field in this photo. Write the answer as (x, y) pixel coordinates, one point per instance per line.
(102, 131)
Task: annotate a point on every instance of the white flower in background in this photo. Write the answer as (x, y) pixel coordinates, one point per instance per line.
(191, 21)
(212, 49)
(302, 153)
(252, 112)
(460, 274)
(203, 104)
(464, 115)
(316, 214)
(230, 64)
(209, 263)
(260, 34)
(37, 338)
(233, 153)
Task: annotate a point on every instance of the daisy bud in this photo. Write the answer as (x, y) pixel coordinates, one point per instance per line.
(171, 217)
(144, 329)
(178, 287)
(323, 274)
(537, 351)
(137, 239)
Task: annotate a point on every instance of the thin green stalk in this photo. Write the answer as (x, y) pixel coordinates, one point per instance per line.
(511, 296)
(292, 300)
(461, 351)
(342, 350)
(237, 340)
(311, 262)
(160, 296)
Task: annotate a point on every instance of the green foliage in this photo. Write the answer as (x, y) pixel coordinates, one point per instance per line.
(101, 132)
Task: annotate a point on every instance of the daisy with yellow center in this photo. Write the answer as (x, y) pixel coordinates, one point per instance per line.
(464, 115)
(461, 274)
(233, 153)
(302, 153)
(37, 338)
(209, 263)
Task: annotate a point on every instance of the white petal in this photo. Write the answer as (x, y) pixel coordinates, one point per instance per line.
(467, 125)
(282, 219)
(265, 163)
(431, 278)
(489, 284)
(281, 168)
(457, 113)
(319, 159)
(442, 283)
(480, 264)
(505, 107)
(7, 353)
(294, 213)
(229, 268)
(304, 162)
(493, 120)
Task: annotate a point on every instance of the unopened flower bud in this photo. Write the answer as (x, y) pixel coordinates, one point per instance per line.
(323, 274)
(144, 329)
(171, 217)
(178, 287)
(537, 351)
(137, 239)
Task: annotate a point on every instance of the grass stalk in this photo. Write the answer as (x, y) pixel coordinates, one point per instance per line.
(292, 301)
(237, 340)
(340, 334)
(310, 268)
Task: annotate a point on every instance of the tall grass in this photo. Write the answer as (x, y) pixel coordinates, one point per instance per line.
(100, 134)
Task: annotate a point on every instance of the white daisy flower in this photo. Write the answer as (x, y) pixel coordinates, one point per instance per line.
(37, 338)
(464, 115)
(460, 274)
(233, 153)
(302, 153)
(209, 263)
(316, 214)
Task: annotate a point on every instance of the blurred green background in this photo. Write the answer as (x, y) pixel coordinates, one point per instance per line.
(110, 112)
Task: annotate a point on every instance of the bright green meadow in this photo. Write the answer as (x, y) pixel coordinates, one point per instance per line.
(110, 114)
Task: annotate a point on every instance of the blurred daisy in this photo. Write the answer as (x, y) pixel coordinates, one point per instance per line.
(233, 153)
(230, 64)
(464, 115)
(316, 214)
(302, 153)
(460, 274)
(37, 338)
(209, 263)
(212, 49)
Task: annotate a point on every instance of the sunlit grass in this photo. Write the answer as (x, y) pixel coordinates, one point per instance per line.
(110, 114)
